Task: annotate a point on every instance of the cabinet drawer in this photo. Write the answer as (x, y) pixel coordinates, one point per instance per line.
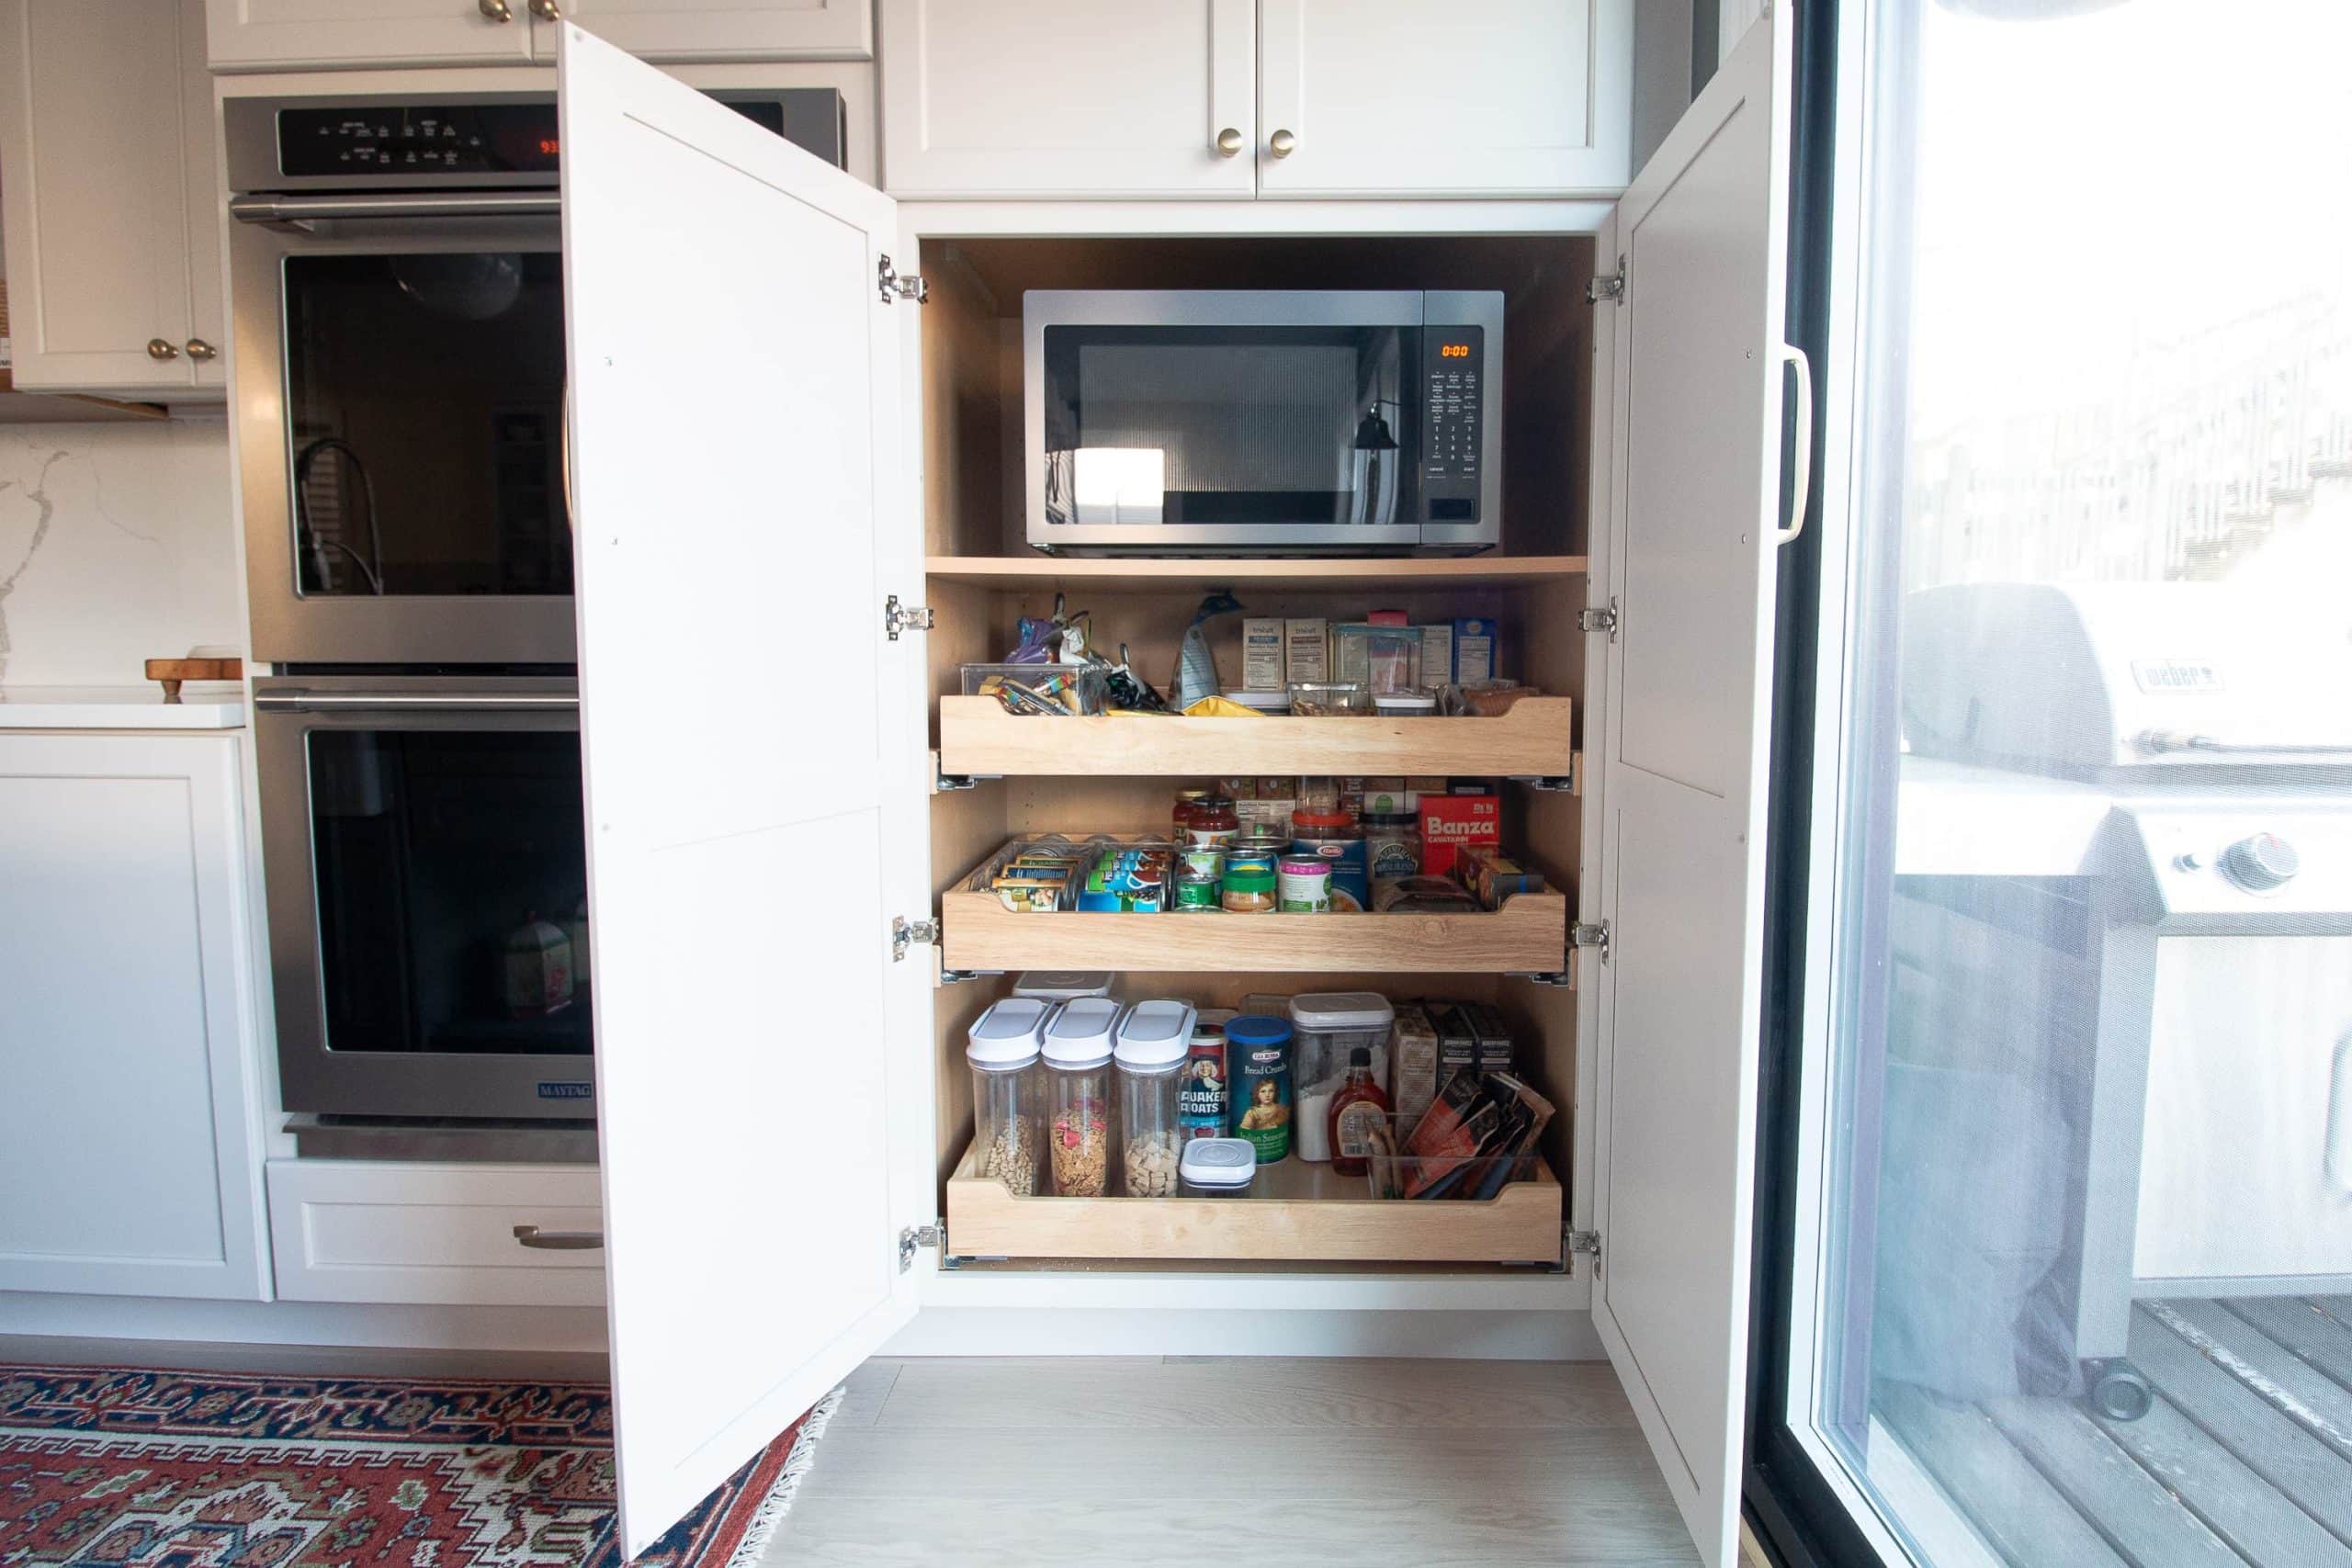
(442, 1235)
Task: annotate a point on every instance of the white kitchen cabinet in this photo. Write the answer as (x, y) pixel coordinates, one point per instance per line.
(1069, 97)
(290, 35)
(109, 169)
(1444, 97)
(345, 1230)
(1238, 98)
(133, 1161)
(756, 1250)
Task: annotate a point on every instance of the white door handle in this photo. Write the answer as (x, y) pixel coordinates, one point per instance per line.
(2339, 1120)
(1790, 355)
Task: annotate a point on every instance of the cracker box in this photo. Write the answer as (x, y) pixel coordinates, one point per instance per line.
(1478, 649)
(1261, 654)
(1449, 821)
(1306, 648)
(1412, 1063)
(1437, 655)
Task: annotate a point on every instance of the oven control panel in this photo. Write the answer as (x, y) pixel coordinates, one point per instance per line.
(1452, 421)
(425, 139)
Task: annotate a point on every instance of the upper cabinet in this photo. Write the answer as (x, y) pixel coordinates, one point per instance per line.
(1444, 97)
(1070, 98)
(279, 35)
(1245, 98)
(108, 183)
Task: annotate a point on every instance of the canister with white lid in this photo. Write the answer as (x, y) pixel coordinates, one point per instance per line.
(1008, 1091)
(1079, 1133)
(1327, 1024)
(1218, 1167)
(1153, 1041)
(1062, 984)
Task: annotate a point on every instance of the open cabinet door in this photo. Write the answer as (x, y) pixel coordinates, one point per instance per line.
(1697, 443)
(739, 504)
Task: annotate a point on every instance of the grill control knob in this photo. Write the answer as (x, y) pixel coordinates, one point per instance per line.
(2262, 863)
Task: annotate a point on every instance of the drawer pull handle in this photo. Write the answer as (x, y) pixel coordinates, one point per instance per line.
(560, 1241)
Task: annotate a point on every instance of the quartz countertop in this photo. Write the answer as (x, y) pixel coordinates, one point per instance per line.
(211, 704)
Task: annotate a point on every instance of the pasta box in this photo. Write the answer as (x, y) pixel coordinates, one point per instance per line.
(1449, 821)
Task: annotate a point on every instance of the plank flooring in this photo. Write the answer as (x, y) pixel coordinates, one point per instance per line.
(2244, 1458)
(1194, 1459)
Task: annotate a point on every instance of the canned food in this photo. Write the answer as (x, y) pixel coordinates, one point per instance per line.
(1304, 886)
(1198, 893)
(1248, 885)
(1201, 859)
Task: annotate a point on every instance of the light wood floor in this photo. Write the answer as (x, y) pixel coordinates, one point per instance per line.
(1200, 1461)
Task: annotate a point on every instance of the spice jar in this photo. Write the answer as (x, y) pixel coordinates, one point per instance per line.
(1007, 1093)
(1077, 1049)
(1153, 1041)
(1248, 886)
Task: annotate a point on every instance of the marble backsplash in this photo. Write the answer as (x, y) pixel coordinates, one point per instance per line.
(117, 544)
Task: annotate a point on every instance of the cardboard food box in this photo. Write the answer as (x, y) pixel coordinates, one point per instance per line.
(1478, 649)
(1437, 655)
(1458, 1042)
(1412, 1063)
(1449, 821)
(1306, 648)
(1493, 1036)
(1261, 654)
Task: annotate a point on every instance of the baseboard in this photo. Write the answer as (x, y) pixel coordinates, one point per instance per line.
(512, 1331)
(1193, 1331)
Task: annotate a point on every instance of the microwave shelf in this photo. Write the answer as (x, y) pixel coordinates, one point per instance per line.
(1297, 1211)
(1144, 575)
(1533, 739)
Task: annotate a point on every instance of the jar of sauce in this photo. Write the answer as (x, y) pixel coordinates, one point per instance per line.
(1212, 822)
(1186, 801)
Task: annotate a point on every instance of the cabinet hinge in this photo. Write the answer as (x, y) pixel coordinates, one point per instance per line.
(1609, 289)
(1603, 620)
(913, 1236)
(897, 617)
(1556, 784)
(906, 933)
(1593, 933)
(1584, 1244)
(896, 287)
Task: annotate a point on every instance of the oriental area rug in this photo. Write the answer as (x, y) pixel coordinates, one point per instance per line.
(121, 1467)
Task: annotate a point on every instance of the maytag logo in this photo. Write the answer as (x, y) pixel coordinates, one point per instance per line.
(566, 1091)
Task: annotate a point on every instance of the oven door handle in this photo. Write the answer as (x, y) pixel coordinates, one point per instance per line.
(405, 204)
(414, 702)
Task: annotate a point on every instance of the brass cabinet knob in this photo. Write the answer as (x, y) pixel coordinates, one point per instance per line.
(160, 348)
(198, 349)
(546, 10)
(1282, 143)
(496, 10)
(1228, 143)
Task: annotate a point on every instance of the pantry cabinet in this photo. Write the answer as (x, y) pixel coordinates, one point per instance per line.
(789, 949)
(1247, 98)
(108, 183)
(290, 35)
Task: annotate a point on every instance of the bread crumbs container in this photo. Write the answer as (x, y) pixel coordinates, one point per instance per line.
(1218, 1167)
(1153, 1041)
(1257, 1054)
(1007, 1093)
(1079, 1130)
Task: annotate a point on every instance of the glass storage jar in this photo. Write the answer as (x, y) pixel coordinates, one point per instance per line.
(1153, 1041)
(1078, 1128)
(1007, 1093)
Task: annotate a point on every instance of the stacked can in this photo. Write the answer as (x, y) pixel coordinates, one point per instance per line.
(1200, 878)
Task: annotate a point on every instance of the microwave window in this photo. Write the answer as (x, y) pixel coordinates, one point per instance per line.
(425, 398)
(451, 873)
(1306, 427)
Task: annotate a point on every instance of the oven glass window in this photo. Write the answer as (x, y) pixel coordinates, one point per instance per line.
(424, 394)
(452, 877)
(1232, 425)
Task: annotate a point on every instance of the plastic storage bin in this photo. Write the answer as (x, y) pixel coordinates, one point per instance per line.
(1007, 1093)
(1062, 984)
(1055, 688)
(1218, 1167)
(1153, 1041)
(1079, 1131)
(1326, 1025)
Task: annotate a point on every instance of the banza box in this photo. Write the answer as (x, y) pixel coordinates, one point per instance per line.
(1449, 821)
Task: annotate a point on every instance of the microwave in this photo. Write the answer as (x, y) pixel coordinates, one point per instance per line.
(1262, 422)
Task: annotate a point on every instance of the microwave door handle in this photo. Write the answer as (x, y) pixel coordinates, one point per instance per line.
(305, 210)
(414, 702)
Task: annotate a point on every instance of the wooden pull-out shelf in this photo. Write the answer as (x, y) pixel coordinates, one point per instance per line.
(1296, 1211)
(1532, 740)
(1528, 935)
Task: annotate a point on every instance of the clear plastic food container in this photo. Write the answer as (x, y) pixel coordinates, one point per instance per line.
(1007, 1093)
(1325, 1025)
(1048, 689)
(1324, 699)
(1153, 1041)
(1079, 1131)
(1062, 984)
(1218, 1167)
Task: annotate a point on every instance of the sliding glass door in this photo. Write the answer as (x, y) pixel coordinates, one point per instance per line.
(2058, 1260)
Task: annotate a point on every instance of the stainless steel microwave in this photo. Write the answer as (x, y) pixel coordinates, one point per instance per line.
(1262, 422)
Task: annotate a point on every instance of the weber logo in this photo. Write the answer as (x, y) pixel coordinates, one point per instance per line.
(570, 1090)
(2166, 676)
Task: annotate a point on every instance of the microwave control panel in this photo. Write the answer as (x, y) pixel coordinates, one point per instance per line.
(1453, 410)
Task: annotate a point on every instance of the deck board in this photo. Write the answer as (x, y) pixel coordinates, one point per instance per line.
(2307, 1397)
(2020, 1514)
(2233, 1499)
(2147, 1522)
(2319, 1338)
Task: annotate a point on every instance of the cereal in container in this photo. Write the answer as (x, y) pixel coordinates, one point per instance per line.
(1007, 1093)
(1153, 1041)
(1078, 1130)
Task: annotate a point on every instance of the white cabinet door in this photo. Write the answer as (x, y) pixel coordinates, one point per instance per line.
(94, 124)
(742, 503)
(1078, 99)
(206, 208)
(1697, 440)
(132, 1163)
(1444, 97)
(285, 35)
(722, 30)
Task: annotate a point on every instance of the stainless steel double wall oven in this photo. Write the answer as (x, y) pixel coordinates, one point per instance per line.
(397, 284)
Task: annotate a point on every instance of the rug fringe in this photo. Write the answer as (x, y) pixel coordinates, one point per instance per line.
(778, 1502)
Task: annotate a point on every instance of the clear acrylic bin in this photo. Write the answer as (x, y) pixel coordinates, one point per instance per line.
(1424, 1179)
(1047, 690)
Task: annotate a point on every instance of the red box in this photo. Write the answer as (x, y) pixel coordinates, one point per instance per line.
(1449, 821)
